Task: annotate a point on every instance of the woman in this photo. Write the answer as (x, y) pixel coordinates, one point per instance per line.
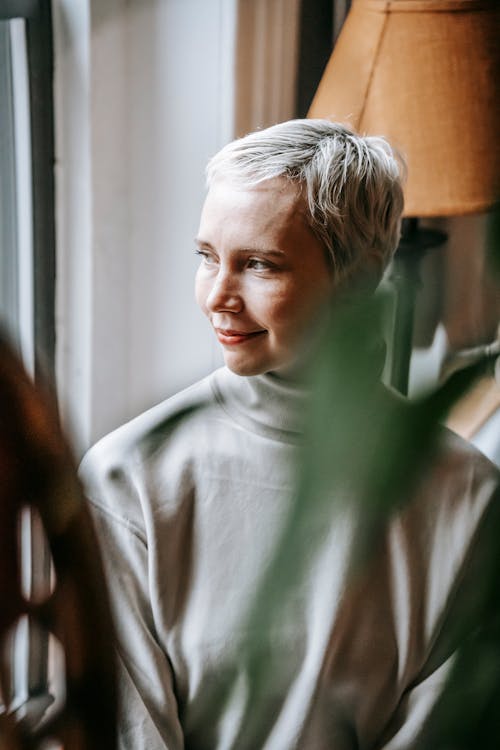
(191, 499)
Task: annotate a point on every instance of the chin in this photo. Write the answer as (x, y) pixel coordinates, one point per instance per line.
(247, 368)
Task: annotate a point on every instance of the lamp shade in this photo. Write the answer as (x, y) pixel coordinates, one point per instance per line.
(425, 74)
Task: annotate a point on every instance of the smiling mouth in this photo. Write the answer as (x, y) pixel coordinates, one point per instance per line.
(230, 338)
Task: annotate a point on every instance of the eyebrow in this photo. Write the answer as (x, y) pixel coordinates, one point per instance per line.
(260, 250)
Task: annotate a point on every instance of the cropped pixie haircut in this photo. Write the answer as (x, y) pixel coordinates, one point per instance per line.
(352, 185)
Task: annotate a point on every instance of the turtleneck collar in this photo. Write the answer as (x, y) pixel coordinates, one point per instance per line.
(267, 404)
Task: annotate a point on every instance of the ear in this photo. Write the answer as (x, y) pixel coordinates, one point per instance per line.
(365, 276)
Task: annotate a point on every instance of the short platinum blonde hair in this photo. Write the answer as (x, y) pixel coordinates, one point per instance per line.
(352, 185)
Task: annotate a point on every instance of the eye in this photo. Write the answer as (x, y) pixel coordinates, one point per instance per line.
(259, 265)
(206, 256)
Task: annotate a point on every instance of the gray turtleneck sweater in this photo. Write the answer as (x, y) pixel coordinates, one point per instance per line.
(191, 501)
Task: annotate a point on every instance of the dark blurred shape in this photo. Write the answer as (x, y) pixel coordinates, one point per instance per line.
(37, 471)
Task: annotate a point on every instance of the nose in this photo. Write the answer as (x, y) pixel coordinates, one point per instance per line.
(225, 294)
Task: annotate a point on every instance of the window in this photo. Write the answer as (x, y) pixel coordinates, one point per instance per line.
(27, 275)
(26, 182)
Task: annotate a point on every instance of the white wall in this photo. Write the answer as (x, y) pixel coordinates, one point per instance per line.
(143, 98)
(146, 91)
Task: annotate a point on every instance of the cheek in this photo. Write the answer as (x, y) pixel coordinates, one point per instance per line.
(281, 311)
(293, 312)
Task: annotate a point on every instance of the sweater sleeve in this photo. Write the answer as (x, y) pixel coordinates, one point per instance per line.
(148, 715)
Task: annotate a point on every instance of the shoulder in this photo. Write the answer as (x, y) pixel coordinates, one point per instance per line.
(448, 493)
(454, 488)
(470, 487)
(113, 469)
(450, 470)
(448, 520)
(467, 477)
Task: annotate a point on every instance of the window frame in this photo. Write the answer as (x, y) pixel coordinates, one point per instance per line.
(37, 15)
(39, 45)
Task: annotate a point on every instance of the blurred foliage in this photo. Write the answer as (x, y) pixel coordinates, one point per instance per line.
(467, 715)
(364, 446)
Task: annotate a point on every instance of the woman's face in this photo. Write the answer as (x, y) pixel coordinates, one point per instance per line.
(263, 273)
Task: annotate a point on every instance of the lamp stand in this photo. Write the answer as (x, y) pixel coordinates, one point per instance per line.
(405, 278)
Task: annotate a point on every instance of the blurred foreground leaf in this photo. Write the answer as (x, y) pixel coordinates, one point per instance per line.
(364, 445)
(467, 715)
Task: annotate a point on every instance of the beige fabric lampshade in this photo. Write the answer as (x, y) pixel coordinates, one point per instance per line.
(426, 74)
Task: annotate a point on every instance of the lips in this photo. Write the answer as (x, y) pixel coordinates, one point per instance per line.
(230, 337)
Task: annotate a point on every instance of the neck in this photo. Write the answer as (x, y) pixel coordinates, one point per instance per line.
(269, 403)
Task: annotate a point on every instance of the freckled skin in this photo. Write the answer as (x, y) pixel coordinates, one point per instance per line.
(263, 274)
